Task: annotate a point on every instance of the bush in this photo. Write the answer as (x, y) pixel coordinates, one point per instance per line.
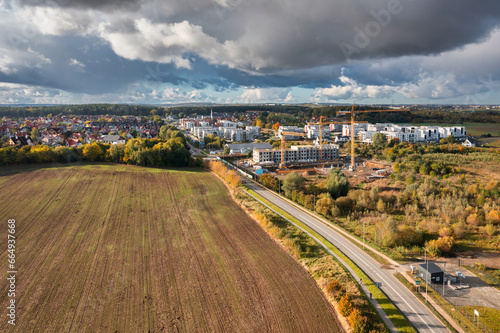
(357, 321)
(345, 305)
(480, 266)
(335, 289)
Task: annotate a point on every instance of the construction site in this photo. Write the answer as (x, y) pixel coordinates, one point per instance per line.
(318, 157)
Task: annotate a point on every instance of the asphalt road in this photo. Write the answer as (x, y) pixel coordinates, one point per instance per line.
(421, 318)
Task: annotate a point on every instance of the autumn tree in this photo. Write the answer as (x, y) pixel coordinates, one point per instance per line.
(34, 135)
(335, 289)
(345, 305)
(324, 204)
(269, 181)
(92, 151)
(357, 321)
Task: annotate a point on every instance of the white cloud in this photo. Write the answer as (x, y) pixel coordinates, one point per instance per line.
(12, 93)
(350, 89)
(259, 95)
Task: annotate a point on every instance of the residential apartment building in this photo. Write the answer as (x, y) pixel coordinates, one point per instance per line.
(296, 154)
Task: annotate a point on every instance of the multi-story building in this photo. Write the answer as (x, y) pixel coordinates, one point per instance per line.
(254, 129)
(410, 133)
(313, 131)
(346, 129)
(296, 154)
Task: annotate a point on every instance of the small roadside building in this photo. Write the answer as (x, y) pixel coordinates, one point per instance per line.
(431, 272)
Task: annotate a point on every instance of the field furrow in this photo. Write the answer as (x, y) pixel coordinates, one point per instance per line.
(107, 248)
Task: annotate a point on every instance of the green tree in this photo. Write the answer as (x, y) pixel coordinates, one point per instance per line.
(337, 184)
(227, 150)
(379, 140)
(450, 139)
(292, 181)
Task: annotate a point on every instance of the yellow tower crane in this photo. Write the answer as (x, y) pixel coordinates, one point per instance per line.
(283, 133)
(321, 123)
(353, 115)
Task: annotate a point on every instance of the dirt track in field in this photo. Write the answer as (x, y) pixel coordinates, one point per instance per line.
(121, 248)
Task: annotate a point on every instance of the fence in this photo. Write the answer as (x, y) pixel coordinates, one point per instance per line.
(237, 168)
(463, 316)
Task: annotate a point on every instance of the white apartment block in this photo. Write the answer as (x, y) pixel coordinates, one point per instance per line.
(228, 123)
(346, 129)
(313, 131)
(254, 129)
(410, 133)
(335, 127)
(296, 154)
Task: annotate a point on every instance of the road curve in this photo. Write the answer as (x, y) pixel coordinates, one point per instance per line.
(419, 316)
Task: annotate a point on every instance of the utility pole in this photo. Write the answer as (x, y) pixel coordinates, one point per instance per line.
(444, 274)
(426, 275)
(363, 235)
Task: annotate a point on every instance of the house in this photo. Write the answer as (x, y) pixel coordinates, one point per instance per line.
(20, 141)
(431, 272)
(73, 143)
(469, 142)
(112, 139)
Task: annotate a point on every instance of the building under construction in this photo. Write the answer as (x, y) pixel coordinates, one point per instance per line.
(300, 154)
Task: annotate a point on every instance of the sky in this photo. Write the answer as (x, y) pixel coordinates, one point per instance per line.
(250, 51)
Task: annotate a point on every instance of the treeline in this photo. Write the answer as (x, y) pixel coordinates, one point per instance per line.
(169, 151)
(298, 113)
(432, 116)
(79, 110)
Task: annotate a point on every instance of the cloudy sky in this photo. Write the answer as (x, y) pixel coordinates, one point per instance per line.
(250, 51)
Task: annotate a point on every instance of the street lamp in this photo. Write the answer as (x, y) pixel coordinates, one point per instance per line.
(364, 234)
(444, 274)
(427, 273)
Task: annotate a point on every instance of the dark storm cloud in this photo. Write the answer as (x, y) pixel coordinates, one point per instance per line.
(104, 46)
(101, 4)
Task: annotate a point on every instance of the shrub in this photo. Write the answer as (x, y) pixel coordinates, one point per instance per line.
(335, 289)
(480, 266)
(345, 305)
(357, 321)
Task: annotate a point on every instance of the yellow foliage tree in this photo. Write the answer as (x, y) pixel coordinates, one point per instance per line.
(345, 305)
(357, 321)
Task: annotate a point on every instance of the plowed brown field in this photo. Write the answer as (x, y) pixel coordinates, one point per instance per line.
(105, 248)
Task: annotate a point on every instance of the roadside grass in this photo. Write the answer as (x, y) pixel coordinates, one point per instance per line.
(462, 315)
(489, 275)
(488, 316)
(389, 308)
